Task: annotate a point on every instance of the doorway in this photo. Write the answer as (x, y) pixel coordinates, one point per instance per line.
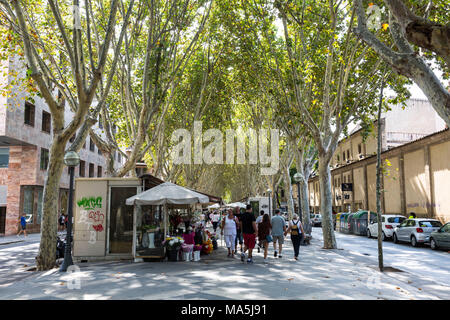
(2, 220)
(121, 220)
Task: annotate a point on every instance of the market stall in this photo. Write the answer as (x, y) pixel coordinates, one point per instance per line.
(151, 234)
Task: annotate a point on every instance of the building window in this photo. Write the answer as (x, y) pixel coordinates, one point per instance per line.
(338, 158)
(39, 206)
(82, 168)
(29, 114)
(359, 148)
(119, 157)
(343, 156)
(46, 122)
(99, 152)
(28, 201)
(44, 158)
(99, 171)
(91, 145)
(91, 170)
(4, 157)
(348, 154)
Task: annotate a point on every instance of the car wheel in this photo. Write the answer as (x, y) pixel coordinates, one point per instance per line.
(394, 238)
(413, 241)
(368, 234)
(383, 237)
(433, 244)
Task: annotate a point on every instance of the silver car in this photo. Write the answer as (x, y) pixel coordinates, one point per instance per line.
(416, 231)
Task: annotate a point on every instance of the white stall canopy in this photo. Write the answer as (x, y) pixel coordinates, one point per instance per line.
(236, 204)
(167, 193)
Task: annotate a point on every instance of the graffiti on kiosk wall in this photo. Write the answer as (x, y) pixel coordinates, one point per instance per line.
(90, 203)
(91, 215)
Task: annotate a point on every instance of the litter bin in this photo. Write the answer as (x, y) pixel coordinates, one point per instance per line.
(360, 222)
(343, 222)
(338, 221)
(349, 225)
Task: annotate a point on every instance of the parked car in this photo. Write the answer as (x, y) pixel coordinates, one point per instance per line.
(388, 222)
(317, 220)
(416, 231)
(441, 238)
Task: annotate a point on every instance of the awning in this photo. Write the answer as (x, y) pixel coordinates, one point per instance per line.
(167, 193)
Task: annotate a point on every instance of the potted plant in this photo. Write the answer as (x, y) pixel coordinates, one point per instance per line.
(173, 245)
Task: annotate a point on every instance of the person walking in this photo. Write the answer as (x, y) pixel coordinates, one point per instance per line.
(228, 227)
(249, 231)
(23, 225)
(258, 221)
(215, 220)
(237, 214)
(264, 228)
(297, 232)
(62, 221)
(278, 230)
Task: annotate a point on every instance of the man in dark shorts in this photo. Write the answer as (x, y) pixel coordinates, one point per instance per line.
(249, 231)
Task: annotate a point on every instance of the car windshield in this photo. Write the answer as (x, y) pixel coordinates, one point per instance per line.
(429, 224)
(396, 219)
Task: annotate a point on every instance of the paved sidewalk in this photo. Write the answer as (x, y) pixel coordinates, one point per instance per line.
(16, 239)
(320, 274)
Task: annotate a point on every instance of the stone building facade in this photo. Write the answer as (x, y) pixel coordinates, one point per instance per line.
(25, 139)
(416, 178)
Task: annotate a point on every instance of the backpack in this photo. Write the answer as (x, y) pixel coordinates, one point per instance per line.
(295, 231)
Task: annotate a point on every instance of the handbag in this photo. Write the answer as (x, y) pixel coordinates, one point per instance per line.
(269, 238)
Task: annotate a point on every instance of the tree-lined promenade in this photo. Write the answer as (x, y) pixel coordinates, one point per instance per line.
(144, 69)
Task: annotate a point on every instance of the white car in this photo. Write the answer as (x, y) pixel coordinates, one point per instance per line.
(416, 230)
(316, 219)
(388, 222)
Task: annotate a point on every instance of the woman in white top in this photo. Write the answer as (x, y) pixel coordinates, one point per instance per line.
(229, 230)
(296, 229)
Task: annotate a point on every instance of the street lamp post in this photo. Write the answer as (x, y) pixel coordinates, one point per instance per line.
(268, 193)
(297, 179)
(71, 159)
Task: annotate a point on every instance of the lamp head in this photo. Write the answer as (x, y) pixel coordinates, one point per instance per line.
(297, 177)
(71, 159)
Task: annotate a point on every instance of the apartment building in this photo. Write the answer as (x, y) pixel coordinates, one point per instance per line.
(416, 170)
(25, 139)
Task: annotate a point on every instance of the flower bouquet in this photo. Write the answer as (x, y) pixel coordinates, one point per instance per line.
(173, 245)
(207, 247)
(198, 247)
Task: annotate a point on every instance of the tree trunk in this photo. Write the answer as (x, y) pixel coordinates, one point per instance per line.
(380, 231)
(304, 198)
(47, 249)
(329, 240)
(290, 200)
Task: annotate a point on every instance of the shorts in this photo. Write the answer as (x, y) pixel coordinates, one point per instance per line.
(24, 227)
(249, 240)
(280, 239)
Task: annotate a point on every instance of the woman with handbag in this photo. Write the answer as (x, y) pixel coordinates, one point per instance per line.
(264, 229)
(296, 229)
